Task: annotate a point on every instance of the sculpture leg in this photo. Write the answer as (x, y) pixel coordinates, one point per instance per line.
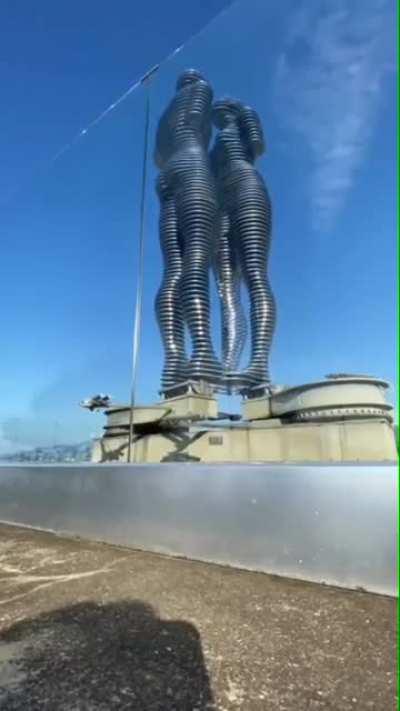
(168, 302)
(228, 277)
(197, 223)
(252, 225)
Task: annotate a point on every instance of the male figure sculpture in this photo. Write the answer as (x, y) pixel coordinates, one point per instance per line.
(188, 213)
(244, 241)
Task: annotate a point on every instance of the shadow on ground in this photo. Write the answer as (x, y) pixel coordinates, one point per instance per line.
(112, 656)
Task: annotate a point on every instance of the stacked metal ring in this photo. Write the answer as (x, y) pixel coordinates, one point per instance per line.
(246, 209)
(187, 231)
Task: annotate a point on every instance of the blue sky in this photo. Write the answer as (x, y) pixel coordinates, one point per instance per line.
(321, 76)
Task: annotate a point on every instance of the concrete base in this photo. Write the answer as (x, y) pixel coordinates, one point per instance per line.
(192, 406)
(340, 419)
(258, 408)
(268, 441)
(165, 414)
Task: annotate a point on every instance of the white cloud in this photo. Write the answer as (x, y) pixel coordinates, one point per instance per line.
(328, 89)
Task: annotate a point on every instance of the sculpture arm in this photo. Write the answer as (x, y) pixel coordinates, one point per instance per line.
(252, 132)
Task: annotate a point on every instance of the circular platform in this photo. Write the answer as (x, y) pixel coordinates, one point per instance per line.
(346, 397)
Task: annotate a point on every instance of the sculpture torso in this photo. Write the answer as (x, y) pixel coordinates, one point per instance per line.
(182, 139)
(233, 165)
(228, 151)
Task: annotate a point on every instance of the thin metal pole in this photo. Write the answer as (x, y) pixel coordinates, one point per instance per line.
(139, 285)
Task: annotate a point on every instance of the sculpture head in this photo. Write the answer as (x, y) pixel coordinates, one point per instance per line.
(190, 76)
(226, 111)
(230, 111)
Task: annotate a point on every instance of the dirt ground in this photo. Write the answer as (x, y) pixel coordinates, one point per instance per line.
(86, 626)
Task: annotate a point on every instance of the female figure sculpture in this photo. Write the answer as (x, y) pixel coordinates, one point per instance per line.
(244, 240)
(188, 213)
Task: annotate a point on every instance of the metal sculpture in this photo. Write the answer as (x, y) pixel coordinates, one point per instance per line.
(214, 210)
(188, 213)
(244, 241)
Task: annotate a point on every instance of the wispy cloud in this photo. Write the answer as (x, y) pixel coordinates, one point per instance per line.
(329, 82)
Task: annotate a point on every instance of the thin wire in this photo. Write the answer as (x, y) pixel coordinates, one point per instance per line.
(65, 148)
(139, 286)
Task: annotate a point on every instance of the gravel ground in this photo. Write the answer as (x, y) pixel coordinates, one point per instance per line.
(86, 626)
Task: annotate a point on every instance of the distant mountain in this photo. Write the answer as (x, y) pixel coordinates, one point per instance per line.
(57, 453)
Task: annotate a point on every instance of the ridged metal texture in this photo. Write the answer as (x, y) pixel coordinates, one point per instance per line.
(228, 278)
(188, 215)
(245, 221)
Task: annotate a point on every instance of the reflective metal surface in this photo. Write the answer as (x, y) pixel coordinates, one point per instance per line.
(334, 523)
(187, 229)
(214, 210)
(245, 223)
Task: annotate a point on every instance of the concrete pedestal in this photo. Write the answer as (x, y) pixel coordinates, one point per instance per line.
(338, 420)
(192, 406)
(351, 441)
